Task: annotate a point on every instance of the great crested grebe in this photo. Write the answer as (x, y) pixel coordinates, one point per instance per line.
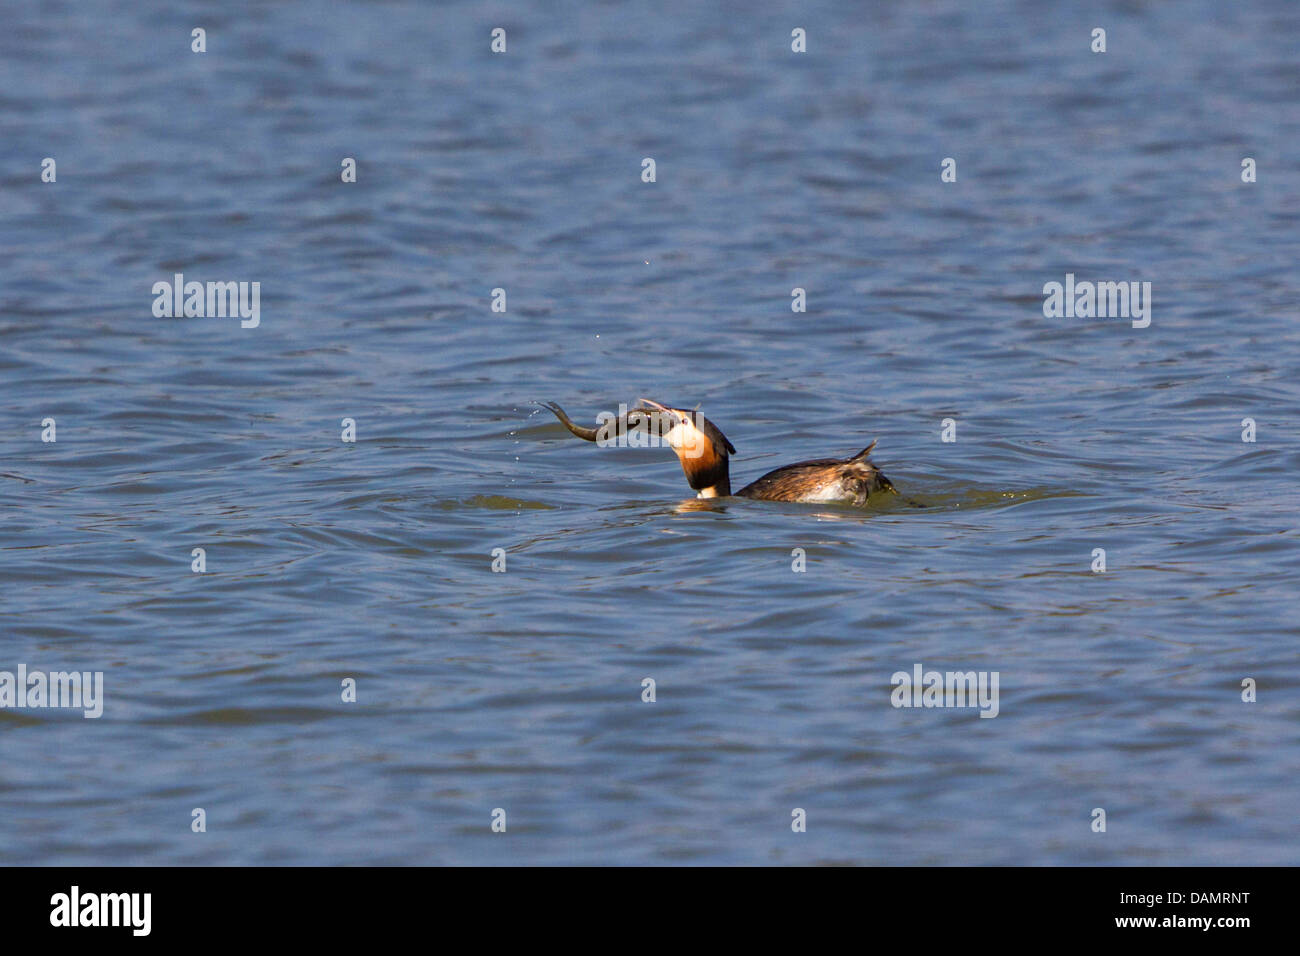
(703, 449)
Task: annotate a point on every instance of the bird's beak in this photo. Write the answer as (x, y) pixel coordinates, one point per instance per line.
(663, 418)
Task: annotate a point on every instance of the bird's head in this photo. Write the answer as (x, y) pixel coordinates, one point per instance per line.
(700, 446)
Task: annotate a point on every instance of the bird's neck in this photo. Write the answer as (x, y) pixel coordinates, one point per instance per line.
(708, 474)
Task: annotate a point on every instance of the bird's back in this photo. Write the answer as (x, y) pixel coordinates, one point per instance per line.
(851, 480)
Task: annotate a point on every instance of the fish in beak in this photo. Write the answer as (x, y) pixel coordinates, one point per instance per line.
(700, 446)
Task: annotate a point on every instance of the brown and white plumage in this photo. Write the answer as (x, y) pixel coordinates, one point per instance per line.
(852, 480)
(704, 454)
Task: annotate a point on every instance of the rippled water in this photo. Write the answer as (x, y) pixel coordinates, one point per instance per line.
(522, 690)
